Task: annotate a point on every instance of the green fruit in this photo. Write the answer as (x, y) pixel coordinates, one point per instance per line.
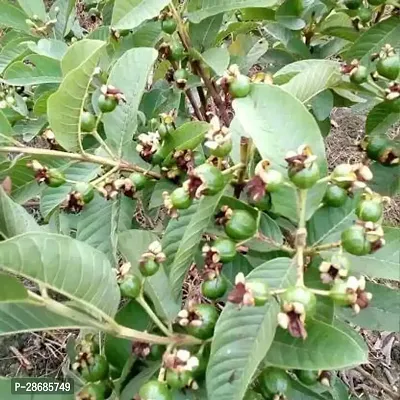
(149, 267)
(158, 157)
(308, 377)
(360, 75)
(343, 175)
(240, 87)
(355, 242)
(352, 4)
(335, 196)
(169, 25)
(97, 370)
(274, 180)
(212, 177)
(260, 292)
(264, 204)
(298, 294)
(389, 67)
(139, 180)
(178, 380)
(96, 391)
(55, 178)
(181, 74)
(85, 190)
(222, 150)
(165, 129)
(130, 286)
(180, 199)
(365, 14)
(274, 381)
(155, 390)
(88, 122)
(305, 178)
(107, 104)
(214, 288)
(177, 52)
(156, 352)
(226, 249)
(241, 226)
(375, 145)
(369, 210)
(209, 316)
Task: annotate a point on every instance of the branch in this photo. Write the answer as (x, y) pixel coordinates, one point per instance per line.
(322, 247)
(301, 236)
(153, 316)
(122, 165)
(195, 107)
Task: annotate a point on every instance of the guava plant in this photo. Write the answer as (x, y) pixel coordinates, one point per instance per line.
(187, 221)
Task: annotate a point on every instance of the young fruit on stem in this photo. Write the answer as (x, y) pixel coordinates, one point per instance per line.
(219, 139)
(95, 369)
(274, 383)
(303, 170)
(179, 366)
(225, 248)
(239, 224)
(239, 85)
(155, 390)
(249, 293)
(106, 103)
(370, 207)
(214, 288)
(204, 180)
(308, 377)
(55, 178)
(139, 180)
(388, 64)
(365, 14)
(130, 286)
(88, 121)
(168, 25)
(180, 77)
(150, 261)
(335, 196)
(359, 74)
(355, 242)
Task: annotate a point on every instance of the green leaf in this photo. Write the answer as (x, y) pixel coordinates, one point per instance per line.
(132, 244)
(65, 121)
(163, 185)
(204, 33)
(243, 336)
(65, 265)
(381, 314)
(384, 263)
(386, 180)
(23, 317)
(65, 9)
(102, 220)
(11, 289)
(13, 51)
(300, 392)
(129, 74)
(5, 128)
(340, 25)
(52, 197)
(321, 75)
(14, 219)
(133, 386)
(13, 17)
(263, 115)
(201, 9)
(119, 350)
(190, 241)
(40, 107)
(217, 59)
(288, 14)
(327, 347)
(380, 119)
(372, 40)
(34, 8)
(34, 70)
(129, 14)
(239, 264)
(322, 105)
(50, 48)
(235, 28)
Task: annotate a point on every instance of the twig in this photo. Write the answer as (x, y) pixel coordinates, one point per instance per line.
(103, 144)
(380, 13)
(122, 165)
(153, 316)
(193, 102)
(375, 381)
(233, 169)
(23, 360)
(203, 102)
(322, 247)
(301, 236)
(244, 159)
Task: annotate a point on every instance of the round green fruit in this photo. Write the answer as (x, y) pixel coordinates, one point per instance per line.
(369, 210)
(214, 288)
(365, 14)
(55, 178)
(88, 121)
(240, 87)
(226, 249)
(209, 316)
(355, 242)
(149, 267)
(274, 180)
(169, 25)
(260, 292)
(156, 352)
(212, 177)
(241, 226)
(85, 190)
(305, 178)
(97, 370)
(107, 104)
(177, 52)
(181, 199)
(178, 380)
(389, 67)
(274, 381)
(222, 150)
(360, 75)
(298, 294)
(130, 286)
(352, 4)
(308, 377)
(264, 204)
(139, 180)
(376, 145)
(155, 390)
(335, 196)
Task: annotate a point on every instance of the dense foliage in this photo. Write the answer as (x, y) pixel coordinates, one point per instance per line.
(168, 142)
